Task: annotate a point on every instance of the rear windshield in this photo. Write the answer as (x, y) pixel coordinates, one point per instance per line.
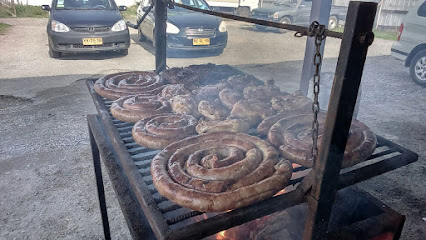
(84, 5)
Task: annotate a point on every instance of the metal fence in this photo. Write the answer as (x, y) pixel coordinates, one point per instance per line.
(390, 12)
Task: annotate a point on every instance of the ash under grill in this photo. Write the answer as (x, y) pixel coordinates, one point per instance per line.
(182, 222)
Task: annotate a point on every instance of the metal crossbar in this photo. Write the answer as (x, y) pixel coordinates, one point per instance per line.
(300, 30)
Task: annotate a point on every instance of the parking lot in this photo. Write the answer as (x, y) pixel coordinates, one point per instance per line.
(47, 187)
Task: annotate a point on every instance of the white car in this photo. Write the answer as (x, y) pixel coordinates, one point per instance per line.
(411, 44)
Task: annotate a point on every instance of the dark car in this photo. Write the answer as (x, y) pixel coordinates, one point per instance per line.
(296, 12)
(86, 26)
(186, 30)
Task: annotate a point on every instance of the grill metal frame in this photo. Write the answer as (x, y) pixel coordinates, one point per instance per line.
(149, 208)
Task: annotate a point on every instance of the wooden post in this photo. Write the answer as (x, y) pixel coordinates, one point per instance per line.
(353, 52)
(160, 13)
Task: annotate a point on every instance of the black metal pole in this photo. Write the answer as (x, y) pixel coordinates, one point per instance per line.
(99, 184)
(353, 52)
(160, 13)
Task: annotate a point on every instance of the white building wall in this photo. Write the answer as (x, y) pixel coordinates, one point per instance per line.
(48, 2)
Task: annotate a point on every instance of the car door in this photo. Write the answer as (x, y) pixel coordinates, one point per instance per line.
(147, 25)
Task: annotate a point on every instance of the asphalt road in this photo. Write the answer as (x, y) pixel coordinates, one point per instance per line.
(47, 188)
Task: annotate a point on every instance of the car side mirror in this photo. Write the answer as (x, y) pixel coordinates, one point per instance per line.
(145, 9)
(45, 7)
(122, 8)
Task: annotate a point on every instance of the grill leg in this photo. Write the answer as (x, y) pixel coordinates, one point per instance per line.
(100, 185)
(353, 52)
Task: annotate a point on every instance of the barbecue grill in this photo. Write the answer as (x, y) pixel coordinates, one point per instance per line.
(149, 215)
(171, 221)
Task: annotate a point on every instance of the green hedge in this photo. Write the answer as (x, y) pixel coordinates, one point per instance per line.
(131, 13)
(25, 11)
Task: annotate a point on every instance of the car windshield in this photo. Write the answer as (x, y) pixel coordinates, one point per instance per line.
(84, 5)
(192, 3)
(285, 2)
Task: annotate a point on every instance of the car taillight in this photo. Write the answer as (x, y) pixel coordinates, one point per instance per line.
(401, 28)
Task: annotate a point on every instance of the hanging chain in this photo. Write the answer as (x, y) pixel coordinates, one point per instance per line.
(316, 30)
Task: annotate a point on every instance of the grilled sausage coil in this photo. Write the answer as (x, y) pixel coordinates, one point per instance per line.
(135, 108)
(219, 171)
(115, 86)
(293, 137)
(161, 130)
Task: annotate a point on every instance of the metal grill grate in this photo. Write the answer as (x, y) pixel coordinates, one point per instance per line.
(175, 214)
(171, 221)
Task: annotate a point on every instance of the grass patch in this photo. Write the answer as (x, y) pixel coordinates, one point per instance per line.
(3, 27)
(130, 14)
(387, 35)
(26, 11)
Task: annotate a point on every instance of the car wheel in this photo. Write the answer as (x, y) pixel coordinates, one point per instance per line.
(141, 37)
(332, 22)
(260, 27)
(284, 20)
(124, 52)
(53, 53)
(418, 68)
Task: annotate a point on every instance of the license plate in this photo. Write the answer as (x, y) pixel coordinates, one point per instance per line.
(92, 41)
(201, 41)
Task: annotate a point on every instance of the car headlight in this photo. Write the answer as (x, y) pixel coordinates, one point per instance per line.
(59, 27)
(275, 16)
(222, 27)
(171, 29)
(119, 26)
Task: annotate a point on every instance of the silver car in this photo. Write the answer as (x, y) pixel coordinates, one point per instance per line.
(411, 44)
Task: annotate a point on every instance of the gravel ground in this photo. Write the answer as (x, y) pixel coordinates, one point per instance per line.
(47, 187)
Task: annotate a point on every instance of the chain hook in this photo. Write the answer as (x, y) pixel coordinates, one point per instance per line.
(313, 28)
